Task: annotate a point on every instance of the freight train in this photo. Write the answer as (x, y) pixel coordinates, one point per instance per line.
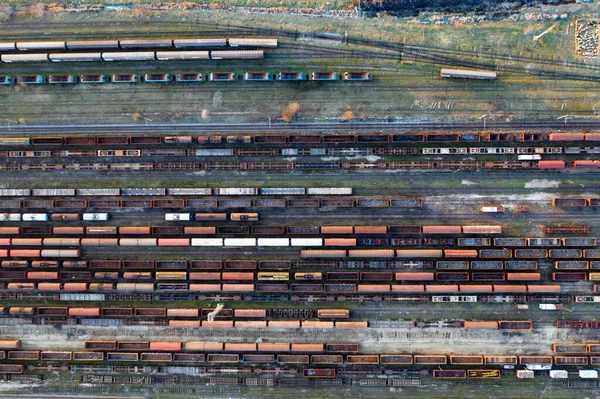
(108, 50)
(169, 352)
(287, 242)
(432, 253)
(176, 313)
(534, 245)
(161, 77)
(344, 278)
(274, 265)
(339, 282)
(349, 138)
(134, 44)
(192, 191)
(14, 243)
(467, 74)
(317, 152)
(179, 55)
(280, 288)
(299, 165)
(170, 203)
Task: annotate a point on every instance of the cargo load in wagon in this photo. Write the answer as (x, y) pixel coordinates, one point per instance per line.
(492, 209)
(551, 306)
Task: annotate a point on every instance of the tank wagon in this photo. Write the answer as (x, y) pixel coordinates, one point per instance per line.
(111, 56)
(224, 191)
(467, 74)
(138, 44)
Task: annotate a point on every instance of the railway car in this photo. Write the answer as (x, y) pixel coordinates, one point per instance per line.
(290, 76)
(222, 77)
(24, 58)
(95, 216)
(569, 276)
(349, 76)
(318, 373)
(129, 56)
(273, 276)
(570, 348)
(31, 79)
(35, 217)
(237, 54)
(199, 43)
(467, 74)
(137, 44)
(326, 76)
(452, 374)
(87, 78)
(124, 78)
(247, 217)
(430, 359)
(395, 359)
(253, 42)
(36, 46)
(75, 57)
(158, 78)
(182, 56)
(92, 44)
(333, 314)
(189, 76)
(178, 217)
(13, 141)
(258, 76)
(8, 46)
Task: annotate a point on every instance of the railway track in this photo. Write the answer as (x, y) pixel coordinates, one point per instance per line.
(158, 111)
(228, 30)
(430, 51)
(374, 127)
(427, 216)
(417, 53)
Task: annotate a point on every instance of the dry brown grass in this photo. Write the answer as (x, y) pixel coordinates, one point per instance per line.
(347, 116)
(289, 113)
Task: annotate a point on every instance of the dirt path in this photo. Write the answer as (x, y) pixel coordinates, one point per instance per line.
(424, 341)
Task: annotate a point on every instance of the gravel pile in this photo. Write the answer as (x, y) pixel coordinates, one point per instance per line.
(586, 38)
